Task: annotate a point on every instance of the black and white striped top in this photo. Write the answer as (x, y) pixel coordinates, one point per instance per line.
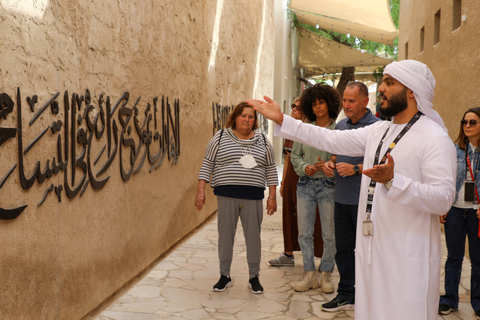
(221, 161)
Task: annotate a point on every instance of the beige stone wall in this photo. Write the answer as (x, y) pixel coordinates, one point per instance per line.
(63, 258)
(454, 59)
(286, 86)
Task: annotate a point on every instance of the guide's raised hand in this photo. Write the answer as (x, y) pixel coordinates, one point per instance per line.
(268, 108)
(381, 173)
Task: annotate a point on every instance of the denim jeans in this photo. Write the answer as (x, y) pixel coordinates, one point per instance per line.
(461, 223)
(345, 235)
(310, 193)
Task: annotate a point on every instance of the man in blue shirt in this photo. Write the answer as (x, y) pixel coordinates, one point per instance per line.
(348, 176)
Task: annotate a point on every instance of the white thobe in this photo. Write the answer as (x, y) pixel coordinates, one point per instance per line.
(398, 268)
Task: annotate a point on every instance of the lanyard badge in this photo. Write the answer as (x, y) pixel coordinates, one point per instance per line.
(368, 228)
(470, 189)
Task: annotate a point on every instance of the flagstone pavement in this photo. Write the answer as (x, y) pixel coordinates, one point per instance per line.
(180, 286)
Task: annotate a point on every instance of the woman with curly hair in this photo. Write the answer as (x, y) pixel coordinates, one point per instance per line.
(320, 105)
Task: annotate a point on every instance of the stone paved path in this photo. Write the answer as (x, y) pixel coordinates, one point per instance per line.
(180, 286)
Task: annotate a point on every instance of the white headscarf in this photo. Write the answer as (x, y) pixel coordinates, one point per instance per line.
(417, 77)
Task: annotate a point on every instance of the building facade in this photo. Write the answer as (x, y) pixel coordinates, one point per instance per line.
(444, 35)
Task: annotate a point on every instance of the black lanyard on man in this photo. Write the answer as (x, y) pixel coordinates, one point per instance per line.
(367, 224)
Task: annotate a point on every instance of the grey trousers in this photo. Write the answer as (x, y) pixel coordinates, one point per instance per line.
(251, 215)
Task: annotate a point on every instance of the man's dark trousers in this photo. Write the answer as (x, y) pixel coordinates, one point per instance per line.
(345, 234)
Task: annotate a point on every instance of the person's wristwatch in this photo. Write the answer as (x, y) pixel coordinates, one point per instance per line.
(356, 168)
(389, 184)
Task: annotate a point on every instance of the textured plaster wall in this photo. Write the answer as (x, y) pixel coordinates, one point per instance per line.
(63, 258)
(286, 86)
(454, 60)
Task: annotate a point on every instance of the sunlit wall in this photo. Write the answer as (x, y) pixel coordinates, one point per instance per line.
(106, 108)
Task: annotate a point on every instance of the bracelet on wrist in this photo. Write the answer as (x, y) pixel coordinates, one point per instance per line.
(279, 122)
(272, 198)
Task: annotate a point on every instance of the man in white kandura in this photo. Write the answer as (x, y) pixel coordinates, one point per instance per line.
(408, 182)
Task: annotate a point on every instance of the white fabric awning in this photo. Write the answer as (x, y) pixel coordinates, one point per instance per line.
(365, 19)
(315, 51)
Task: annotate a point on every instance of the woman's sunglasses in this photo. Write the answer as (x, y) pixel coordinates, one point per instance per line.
(472, 123)
(294, 105)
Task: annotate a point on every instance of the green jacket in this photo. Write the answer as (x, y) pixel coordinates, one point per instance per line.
(303, 155)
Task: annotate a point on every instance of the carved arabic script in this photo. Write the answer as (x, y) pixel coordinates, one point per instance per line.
(88, 140)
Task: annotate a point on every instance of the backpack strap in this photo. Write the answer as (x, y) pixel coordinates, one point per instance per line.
(218, 146)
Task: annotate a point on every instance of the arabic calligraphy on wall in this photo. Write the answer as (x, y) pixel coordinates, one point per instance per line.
(88, 140)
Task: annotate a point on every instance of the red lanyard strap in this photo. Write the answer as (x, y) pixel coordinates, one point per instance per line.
(471, 174)
(473, 178)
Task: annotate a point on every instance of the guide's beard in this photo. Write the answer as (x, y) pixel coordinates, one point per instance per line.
(395, 104)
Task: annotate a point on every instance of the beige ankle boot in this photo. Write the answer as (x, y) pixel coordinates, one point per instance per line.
(325, 282)
(308, 281)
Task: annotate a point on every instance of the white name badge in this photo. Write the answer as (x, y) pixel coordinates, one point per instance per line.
(368, 228)
(247, 161)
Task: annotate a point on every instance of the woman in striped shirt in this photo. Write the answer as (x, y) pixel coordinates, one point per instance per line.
(241, 163)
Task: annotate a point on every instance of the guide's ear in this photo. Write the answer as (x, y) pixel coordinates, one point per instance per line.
(410, 94)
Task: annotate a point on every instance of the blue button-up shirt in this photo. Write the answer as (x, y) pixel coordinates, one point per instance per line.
(348, 188)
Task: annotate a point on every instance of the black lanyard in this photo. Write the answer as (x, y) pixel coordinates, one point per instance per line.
(373, 183)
